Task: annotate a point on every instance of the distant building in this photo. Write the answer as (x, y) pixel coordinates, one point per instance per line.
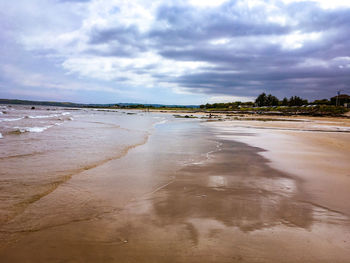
(343, 100)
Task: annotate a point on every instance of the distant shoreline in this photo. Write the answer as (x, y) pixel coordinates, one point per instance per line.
(93, 105)
(315, 111)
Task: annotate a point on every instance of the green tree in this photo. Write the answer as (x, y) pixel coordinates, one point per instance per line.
(297, 101)
(261, 99)
(285, 102)
(271, 100)
(321, 102)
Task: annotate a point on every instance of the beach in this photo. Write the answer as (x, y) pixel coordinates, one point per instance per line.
(132, 186)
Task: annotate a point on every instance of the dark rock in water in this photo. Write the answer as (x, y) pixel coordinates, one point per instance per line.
(186, 116)
(33, 108)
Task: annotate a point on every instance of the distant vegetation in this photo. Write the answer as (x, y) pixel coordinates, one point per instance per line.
(52, 103)
(154, 106)
(267, 100)
(81, 105)
(265, 104)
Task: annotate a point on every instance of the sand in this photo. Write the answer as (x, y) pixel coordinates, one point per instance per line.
(320, 158)
(248, 192)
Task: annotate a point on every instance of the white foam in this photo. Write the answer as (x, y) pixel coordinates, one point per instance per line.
(32, 129)
(42, 116)
(1, 136)
(161, 122)
(331, 128)
(11, 119)
(1, 113)
(47, 116)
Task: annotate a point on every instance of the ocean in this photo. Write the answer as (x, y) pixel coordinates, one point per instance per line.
(43, 147)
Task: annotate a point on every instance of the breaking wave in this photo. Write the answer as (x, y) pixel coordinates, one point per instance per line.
(11, 119)
(47, 116)
(31, 129)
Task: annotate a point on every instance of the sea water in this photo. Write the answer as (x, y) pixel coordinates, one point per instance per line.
(43, 147)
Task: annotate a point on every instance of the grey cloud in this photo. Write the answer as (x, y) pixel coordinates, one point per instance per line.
(124, 35)
(120, 41)
(265, 65)
(253, 61)
(188, 25)
(311, 17)
(283, 82)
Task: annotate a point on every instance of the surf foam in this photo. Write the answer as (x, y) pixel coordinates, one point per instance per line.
(11, 119)
(32, 129)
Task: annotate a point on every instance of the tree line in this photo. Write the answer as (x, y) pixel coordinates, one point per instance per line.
(270, 100)
(266, 100)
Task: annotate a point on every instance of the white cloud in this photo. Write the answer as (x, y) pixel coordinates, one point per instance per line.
(341, 62)
(220, 41)
(297, 40)
(313, 62)
(37, 80)
(207, 3)
(126, 70)
(326, 4)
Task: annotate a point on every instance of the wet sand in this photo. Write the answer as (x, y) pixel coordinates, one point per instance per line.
(195, 193)
(320, 158)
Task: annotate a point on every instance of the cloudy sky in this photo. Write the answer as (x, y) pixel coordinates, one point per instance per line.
(173, 52)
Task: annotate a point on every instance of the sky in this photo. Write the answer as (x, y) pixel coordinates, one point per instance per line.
(173, 52)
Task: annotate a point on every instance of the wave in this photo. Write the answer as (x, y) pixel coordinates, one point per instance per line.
(207, 156)
(161, 122)
(47, 116)
(31, 129)
(331, 128)
(21, 155)
(40, 116)
(52, 186)
(11, 119)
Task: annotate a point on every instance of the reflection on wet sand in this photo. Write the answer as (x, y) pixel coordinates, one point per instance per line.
(233, 208)
(236, 188)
